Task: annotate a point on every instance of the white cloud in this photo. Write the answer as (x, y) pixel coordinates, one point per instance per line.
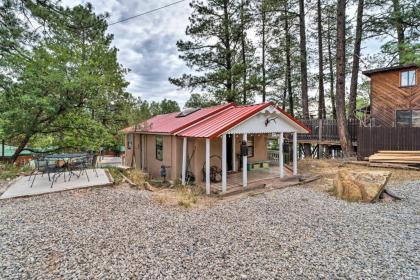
(147, 44)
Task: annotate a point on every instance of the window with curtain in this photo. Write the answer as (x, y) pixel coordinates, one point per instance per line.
(159, 147)
(408, 78)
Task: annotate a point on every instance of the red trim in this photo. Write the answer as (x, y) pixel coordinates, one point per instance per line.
(251, 113)
(202, 118)
(293, 118)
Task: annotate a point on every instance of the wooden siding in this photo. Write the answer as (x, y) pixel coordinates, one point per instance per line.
(373, 139)
(387, 96)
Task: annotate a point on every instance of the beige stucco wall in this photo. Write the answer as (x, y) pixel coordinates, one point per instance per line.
(172, 154)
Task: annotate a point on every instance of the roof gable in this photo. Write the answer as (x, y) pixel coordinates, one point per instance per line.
(268, 120)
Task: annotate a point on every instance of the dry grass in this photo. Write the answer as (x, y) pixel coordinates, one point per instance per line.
(328, 168)
(137, 177)
(187, 196)
(183, 196)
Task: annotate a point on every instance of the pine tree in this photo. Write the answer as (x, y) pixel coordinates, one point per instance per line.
(213, 50)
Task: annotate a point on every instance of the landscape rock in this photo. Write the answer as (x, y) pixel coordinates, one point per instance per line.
(365, 186)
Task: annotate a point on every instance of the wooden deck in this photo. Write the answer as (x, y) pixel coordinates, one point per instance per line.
(256, 178)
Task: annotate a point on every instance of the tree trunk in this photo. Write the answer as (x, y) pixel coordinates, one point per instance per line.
(356, 59)
(303, 60)
(228, 55)
(288, 62)
(399, 27)
(263, 15)
(283, 105)
(321, 102)
(343, 133)
(20, 148)
(243, 54)
(331, 71)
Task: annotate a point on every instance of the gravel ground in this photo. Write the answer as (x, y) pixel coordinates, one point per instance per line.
(294, 233)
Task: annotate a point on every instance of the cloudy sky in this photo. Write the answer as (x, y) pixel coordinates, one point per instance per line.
(147, 44)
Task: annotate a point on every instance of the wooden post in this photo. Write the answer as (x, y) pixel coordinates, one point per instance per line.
(319, 138)
(207, 166)
(184, 160)
(245, 166)
(295, 153)
(224, 165)
(143, 151)
(281, 157)
(2, 149)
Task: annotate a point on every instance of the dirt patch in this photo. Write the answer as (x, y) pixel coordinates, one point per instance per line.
(328, 169)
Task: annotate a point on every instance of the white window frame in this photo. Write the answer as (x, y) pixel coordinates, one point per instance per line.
(410, 82)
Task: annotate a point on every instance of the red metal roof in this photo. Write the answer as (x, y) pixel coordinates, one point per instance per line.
(219, 123)
(170, 124)
(206, 123)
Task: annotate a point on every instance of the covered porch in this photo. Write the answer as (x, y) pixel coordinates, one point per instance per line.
(238, 125)
(256, 178)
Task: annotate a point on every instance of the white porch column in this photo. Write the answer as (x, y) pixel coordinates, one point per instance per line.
(233, 152)
(184, 160)
(245, 166)
(281, 157)
(207, 166)
(224, 165)
(295, 153)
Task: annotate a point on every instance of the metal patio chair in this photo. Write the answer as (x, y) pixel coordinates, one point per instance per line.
(78, 164)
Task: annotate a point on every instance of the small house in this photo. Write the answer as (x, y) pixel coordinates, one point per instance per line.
(214, 147)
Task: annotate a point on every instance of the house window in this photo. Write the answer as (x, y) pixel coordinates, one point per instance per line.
(408, 78)
(129, 141)
(408, 118)
(159, 147)
(250, 144)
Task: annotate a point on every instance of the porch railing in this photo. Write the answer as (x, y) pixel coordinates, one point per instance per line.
(273, 156)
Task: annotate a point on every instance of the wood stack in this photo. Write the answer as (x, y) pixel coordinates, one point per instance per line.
(411, 158)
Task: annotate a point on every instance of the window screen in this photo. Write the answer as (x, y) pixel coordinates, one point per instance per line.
(159, 147)
(408, 78)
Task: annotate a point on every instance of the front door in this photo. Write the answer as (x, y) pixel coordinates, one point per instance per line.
(229, 139)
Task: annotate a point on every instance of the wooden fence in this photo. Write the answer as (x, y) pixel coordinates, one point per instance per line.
(372, 139)
(326, 129)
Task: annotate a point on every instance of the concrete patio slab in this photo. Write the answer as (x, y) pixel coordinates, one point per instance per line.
(21, 187)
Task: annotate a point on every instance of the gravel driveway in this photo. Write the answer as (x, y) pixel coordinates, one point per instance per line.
(294, 233)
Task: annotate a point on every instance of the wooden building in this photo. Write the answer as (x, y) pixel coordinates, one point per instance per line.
(394, 111)
(395, 96)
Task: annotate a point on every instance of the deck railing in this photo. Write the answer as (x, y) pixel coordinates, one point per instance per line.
(326, 129)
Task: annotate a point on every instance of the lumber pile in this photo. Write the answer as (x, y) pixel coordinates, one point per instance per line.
(410, 158)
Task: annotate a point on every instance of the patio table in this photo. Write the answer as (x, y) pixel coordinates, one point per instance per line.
(66, 158)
